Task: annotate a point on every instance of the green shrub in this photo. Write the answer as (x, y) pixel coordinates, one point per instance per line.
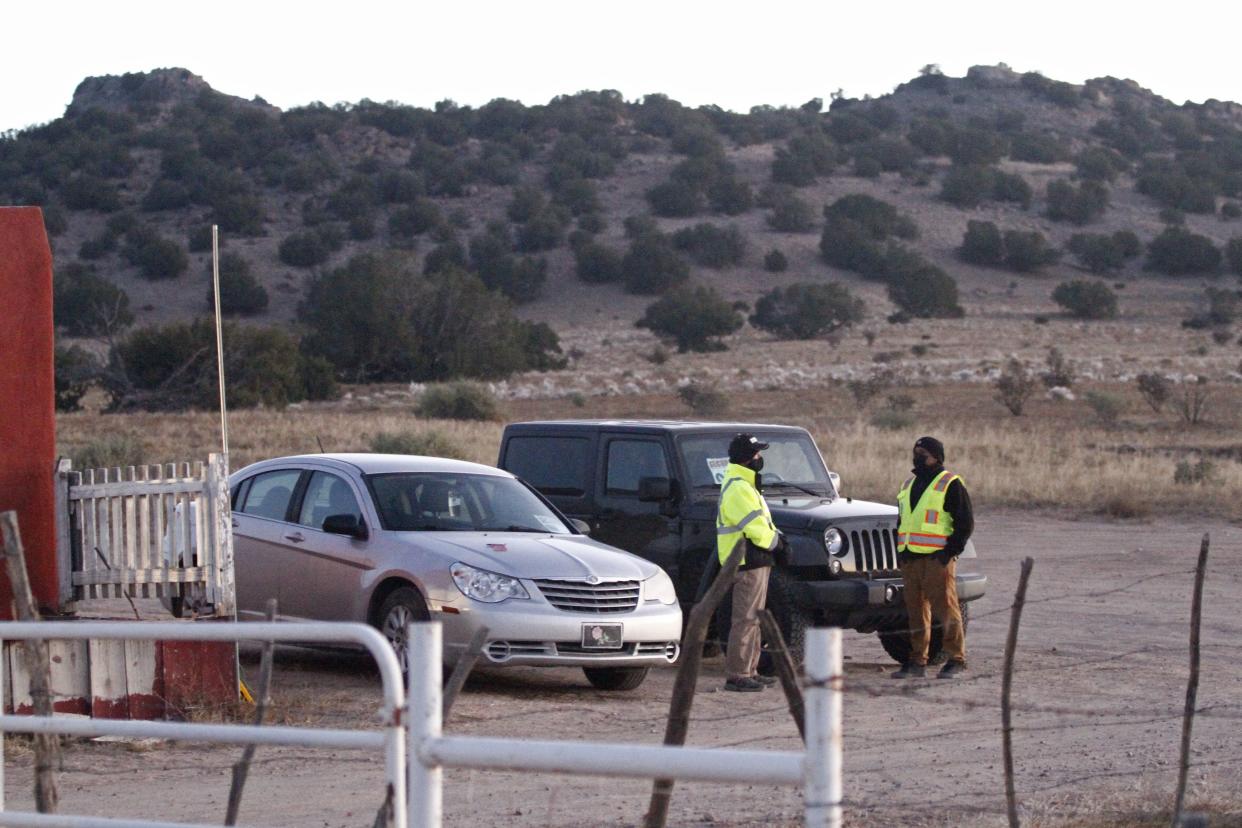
(1038, 148)
(577, 195)
(1014, 387)
(597, 263)
(967, 186)
(377, 319)
(808, 155)
(791, 214)
(430, 443)
(240, 293)
(86, 304)
(693, 317)
(710, 245)
(457, 401)
(1100, 164)
(651, 265)
(154, 256)
(982, 244)
(675, 198)
(90, 192)
(730, 196)
(239, 213)
(879, 218)
(886, 155)
(543, 231)
(1194, 474)
(1028, 251)
(807, 310)
(1230, 210)
(173, 367)
(923, 290)
(525, 204)
(1011, 188)
(1170, 184)
(414, 219)
(703, 401)
(1178, 252)
(109, 452)
(166, 195)
(76, 371)
(1059, 374)
(305, 249)
(775, 262)
(1155, 389)
(1077, 205)
(893, 419)
(847, 244)
(1102, 253)
(199, 239)
(976, 146)
(1106, 406)
(1086, 299)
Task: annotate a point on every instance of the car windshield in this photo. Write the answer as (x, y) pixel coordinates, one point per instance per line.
(446, 502)
(791, 460)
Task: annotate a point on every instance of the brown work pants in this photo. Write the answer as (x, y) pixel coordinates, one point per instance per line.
(750, 593)
(931, 587)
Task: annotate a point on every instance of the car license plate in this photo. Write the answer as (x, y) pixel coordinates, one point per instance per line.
(601, 636)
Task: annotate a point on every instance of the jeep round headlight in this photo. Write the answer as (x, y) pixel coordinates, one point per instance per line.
(488, 587)
(834, 541)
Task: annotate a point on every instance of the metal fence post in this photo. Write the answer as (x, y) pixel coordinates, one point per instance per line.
(425, 789)
(4, 679)
(822, 788)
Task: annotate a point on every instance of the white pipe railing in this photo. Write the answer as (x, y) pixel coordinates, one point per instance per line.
(392, 739)
(818, 769)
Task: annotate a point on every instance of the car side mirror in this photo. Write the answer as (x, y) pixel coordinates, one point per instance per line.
(581, 525)
(346, 525)
(654, 489)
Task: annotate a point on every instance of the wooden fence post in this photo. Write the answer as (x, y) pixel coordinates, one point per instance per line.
(1011, 643)
(46, 746)
(687, 677)
(785, 669)
(1192, 684)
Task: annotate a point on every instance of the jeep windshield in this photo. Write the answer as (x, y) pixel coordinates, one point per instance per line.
(792, 462)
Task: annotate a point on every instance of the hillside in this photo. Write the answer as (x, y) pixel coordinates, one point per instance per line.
(141, 165)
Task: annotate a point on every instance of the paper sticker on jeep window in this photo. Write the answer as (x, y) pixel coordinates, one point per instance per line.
(717, 466)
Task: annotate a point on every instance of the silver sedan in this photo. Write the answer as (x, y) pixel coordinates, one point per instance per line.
(387, 539)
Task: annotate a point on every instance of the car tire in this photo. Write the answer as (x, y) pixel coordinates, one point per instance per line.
(896, 640)
(616, 678)
(402, 607)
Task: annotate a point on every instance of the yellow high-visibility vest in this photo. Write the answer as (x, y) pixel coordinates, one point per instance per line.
(926, 527)
(743, 514)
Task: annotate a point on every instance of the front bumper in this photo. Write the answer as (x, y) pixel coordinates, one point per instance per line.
(533, 633)
(851, 594)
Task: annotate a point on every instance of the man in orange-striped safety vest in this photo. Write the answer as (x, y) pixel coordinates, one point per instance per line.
(934, 522)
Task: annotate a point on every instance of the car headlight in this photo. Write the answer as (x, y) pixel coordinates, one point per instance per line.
(659, 587)
(488, 587)
(834, 541)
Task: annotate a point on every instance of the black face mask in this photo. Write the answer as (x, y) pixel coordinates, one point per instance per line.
(756, 464)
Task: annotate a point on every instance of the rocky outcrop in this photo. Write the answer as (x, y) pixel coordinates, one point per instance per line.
(163, 88)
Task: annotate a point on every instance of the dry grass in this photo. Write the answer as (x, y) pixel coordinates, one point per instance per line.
(1055, 456)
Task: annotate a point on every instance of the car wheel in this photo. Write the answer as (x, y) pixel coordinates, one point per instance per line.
(896, 640)
(615, 678)
(400, 609)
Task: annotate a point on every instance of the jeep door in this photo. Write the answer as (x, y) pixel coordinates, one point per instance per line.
(622, 519)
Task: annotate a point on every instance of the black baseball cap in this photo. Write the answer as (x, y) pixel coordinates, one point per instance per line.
(744, 447)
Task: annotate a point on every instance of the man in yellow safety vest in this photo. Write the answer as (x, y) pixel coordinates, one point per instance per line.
(935, 520)
(743, 518)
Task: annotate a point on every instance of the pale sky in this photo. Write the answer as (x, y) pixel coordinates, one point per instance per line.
(734, 54)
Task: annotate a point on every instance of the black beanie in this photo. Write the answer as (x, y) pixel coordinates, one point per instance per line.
(932, 446)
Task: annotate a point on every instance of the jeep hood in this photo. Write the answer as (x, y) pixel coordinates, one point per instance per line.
(805, 512)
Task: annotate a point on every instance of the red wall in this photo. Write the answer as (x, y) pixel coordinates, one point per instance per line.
(27, 398)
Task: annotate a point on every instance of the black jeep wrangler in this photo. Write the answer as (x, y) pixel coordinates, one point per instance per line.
(651, 487)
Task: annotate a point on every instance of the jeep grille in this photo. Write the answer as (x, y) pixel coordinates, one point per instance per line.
(874, 549)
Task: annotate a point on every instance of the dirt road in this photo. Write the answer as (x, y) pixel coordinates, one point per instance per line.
(1102, 672)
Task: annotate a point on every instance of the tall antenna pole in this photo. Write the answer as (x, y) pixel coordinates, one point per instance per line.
(215, 279)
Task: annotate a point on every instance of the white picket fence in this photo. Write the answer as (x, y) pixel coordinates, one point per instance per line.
(147, 532)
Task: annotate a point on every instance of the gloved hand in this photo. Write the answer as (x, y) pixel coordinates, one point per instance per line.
(780, 553)
(945, 557)
(904, 558)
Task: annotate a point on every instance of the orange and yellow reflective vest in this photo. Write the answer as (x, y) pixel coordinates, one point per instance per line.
(926, 527)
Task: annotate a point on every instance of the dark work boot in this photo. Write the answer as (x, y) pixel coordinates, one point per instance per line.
(743, 685)
(952, 669)
(766, 681)
(910, 671)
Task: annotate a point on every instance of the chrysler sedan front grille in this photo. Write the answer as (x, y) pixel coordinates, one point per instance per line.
(579, 596)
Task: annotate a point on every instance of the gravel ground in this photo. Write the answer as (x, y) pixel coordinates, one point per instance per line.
(1102, 667)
